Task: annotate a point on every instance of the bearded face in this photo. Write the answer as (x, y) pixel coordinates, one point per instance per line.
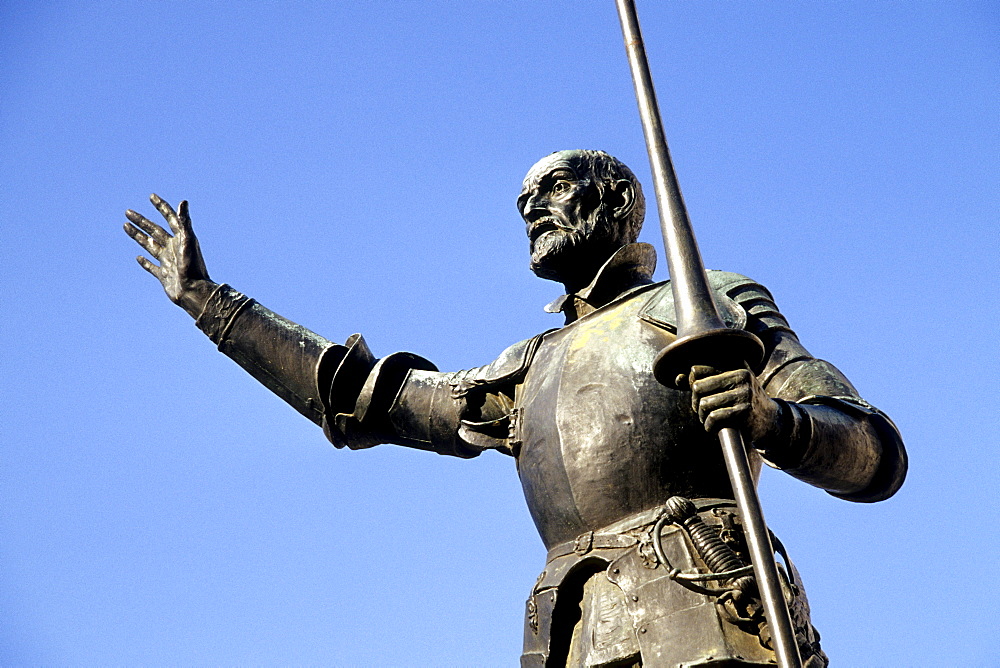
(570, 230)
(560, 248)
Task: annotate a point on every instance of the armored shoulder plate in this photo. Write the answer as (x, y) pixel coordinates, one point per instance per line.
(762, 313)
(743, 304)
(507, 368)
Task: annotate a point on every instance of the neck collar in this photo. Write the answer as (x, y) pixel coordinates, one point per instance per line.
(631, 266)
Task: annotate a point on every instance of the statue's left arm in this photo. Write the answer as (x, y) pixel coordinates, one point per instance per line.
(802, 414)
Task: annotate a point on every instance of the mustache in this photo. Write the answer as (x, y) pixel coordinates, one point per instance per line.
(547, 224)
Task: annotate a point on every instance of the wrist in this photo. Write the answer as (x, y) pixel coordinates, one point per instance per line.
(778, 428)
(223, 307)
(196, 295)
(785, 446)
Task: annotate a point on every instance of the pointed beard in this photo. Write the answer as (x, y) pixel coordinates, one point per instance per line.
(551, 252)
(559, 255)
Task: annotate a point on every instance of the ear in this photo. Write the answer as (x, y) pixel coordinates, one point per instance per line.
(621, 198)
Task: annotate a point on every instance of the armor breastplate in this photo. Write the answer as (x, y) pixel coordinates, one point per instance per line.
(600, 438)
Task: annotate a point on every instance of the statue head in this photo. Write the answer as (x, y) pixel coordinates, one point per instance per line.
(579, 207)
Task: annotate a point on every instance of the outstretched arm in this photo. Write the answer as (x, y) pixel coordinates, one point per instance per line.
(181, 271)
(342, 388)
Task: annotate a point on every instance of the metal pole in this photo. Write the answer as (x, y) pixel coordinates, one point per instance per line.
(702, 336)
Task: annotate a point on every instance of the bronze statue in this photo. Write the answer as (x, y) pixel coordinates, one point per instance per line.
(624, 479)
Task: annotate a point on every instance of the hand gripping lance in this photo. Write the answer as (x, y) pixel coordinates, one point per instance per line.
(702, 336)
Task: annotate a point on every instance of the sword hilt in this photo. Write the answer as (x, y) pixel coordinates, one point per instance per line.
(718, 556)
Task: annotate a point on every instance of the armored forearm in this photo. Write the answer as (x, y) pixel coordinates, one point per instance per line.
(359, 400)
(280, 354)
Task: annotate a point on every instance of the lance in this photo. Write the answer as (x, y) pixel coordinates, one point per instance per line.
(703, 338)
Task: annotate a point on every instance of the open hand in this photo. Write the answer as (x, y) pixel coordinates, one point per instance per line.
(181, 271)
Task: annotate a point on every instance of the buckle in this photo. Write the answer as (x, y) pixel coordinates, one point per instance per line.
(583, 543)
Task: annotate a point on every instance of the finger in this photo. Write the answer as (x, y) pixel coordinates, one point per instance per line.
(697, 371)
(144, 241)
(702, 371)
(724, 400)
(148, 266)
(726, 417)
(184, 218)
(166, 211)
(133, 232)
(692, 379)
(720, 382)
(148, 226)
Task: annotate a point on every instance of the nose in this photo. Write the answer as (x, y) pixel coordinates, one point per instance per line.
(534, 206)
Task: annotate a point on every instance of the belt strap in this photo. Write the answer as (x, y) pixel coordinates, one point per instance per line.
(613, 537)
(589, 541)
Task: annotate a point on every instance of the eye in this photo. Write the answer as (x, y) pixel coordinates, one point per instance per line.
(560, 187)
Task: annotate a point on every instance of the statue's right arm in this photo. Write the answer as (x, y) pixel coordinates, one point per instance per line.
(358, 400)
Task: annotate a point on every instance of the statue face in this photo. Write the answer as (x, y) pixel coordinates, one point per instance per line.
(569, 231)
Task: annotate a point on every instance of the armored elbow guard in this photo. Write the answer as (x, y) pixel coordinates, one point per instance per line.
(358, 391)
(854, 451)
(834, 439)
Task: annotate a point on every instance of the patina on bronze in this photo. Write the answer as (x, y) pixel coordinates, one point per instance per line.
(647, 557)
(702, 336)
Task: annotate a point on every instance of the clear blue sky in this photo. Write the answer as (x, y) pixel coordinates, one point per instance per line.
(354, 167)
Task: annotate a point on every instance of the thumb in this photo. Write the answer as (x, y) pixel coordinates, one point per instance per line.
(184, 217)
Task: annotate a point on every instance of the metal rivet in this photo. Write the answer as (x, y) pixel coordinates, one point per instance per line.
(643, 630)
(616, 571)
(634, 597)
